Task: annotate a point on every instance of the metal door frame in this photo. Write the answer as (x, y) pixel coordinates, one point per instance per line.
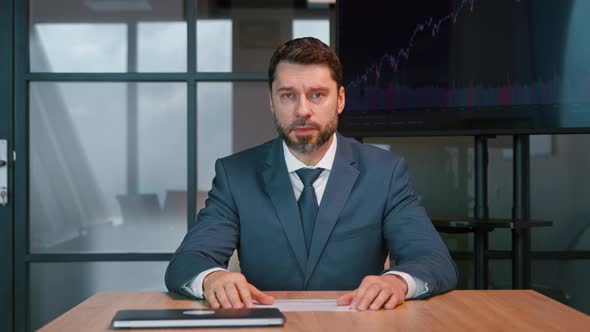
(6, 133)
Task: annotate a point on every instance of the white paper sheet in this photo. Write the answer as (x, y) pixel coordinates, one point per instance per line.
(305, 305)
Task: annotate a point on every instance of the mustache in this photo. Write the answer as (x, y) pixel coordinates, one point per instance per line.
(304, 123)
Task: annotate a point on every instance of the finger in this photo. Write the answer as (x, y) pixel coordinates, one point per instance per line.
(345, 299)
(259, 296)
(368, 297)
(393, 301)
(222, 298)
(383, 296)
(212, 299)
(358, 295)
(244, 293)
(233, 296)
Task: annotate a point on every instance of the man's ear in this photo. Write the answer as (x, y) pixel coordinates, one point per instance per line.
(341, 100)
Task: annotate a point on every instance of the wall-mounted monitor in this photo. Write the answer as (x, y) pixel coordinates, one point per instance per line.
(464, 67)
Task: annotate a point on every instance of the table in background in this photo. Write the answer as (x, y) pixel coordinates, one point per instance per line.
(460, 310)
(480, 229)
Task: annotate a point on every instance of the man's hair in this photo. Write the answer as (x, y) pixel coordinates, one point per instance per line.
(306, 51)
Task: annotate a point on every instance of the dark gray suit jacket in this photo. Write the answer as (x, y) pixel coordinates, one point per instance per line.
(368, 210)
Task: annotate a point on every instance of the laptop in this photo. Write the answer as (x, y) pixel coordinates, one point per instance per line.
(167, 318)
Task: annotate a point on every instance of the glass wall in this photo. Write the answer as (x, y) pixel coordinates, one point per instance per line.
(240, 36)
(114, 122)
(70, 36)
(107, 166)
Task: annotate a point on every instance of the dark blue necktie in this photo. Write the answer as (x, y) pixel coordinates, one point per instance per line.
(308, 202)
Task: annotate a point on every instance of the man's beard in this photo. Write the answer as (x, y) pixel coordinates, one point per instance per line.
(305, 144)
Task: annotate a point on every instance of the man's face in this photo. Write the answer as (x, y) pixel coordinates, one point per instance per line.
(305, 102)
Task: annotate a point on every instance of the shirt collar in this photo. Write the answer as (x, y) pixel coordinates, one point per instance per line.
(326, 162)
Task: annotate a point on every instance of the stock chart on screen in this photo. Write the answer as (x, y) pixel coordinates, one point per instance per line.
(465, 66)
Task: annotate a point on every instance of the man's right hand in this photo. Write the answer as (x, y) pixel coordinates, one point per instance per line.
(231, 290)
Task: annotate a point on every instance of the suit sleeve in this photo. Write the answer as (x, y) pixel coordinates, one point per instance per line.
(211, 241)
(412, 240)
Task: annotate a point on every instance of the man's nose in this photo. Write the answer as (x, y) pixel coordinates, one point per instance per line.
(303, 109)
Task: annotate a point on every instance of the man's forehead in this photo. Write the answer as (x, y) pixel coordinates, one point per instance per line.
(289, 75)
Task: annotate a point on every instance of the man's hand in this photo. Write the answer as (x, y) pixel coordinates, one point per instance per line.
(231, 290)
(376, 292)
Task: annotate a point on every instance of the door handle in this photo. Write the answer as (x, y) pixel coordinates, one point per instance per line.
(3, 172)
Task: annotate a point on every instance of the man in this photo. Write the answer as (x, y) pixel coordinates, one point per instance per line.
(311, 210)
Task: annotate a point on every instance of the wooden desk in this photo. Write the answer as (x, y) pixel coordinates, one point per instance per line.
(461, 310)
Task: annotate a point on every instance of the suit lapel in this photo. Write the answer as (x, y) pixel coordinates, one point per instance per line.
(342, 179)
(280, 190)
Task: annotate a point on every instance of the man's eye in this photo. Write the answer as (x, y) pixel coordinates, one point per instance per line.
(316, 95)
(287, 95)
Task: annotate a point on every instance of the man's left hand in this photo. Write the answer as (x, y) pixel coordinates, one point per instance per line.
(376, 292)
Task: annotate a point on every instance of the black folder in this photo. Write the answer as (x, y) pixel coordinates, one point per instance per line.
(167, 318)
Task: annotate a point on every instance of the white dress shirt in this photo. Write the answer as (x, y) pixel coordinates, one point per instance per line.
(415, 286)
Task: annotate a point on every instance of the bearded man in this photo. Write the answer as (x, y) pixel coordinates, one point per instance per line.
(311, 209)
